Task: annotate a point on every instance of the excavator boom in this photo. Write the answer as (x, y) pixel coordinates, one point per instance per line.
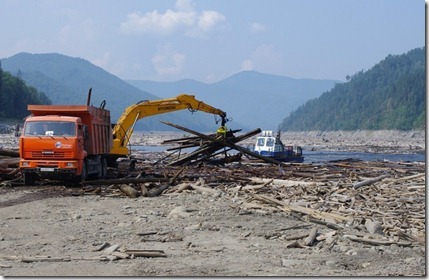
(123, 130)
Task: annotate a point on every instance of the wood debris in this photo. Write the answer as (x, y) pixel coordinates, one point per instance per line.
(343, 195)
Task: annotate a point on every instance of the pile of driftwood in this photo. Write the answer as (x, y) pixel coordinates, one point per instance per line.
(9, 162)
(382, 198)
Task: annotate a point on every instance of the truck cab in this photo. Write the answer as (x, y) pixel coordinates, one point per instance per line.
(65, 143)
(52, 147)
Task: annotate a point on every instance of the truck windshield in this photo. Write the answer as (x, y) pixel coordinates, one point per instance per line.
(41, 128)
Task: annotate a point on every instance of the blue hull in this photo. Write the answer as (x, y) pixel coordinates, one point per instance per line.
(283, 156)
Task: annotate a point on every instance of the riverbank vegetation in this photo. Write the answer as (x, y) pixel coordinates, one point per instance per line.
(15, 95)
(391, 95)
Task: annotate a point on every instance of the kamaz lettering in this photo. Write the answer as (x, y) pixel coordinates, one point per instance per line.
(167, 108)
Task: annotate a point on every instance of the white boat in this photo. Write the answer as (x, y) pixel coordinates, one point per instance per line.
(272, 147)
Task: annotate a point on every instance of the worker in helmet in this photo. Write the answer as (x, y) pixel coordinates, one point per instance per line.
(221, 131)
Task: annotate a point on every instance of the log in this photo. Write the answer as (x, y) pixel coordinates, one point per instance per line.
(247, 205)
(9, 174)
(120, 255)
(403, 179)
(143, 190)
(147, 233)
(111, 249)
(125, 181)
(376, 242)
(173, 179)
(286, 183)
(130, 191)
(370, 181)
(44, 259)
(303, 210)
(311, 237)
(146, 253)
(9, 153)
(209, 148)
(295, 237)
(9, 162)
(183, 186)
(329, 225)
(257, 187)
(102, 246)
(295, 227)
(157, 191)
(204, 189)
(228, 143)
(294, 244)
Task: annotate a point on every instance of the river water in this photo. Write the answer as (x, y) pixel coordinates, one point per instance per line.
(323, 156)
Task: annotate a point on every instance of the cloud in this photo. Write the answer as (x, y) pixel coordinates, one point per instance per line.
(247, 65)
(257, 27)
(184, 16)
(266, 58)
(208, 19)
(168, 62)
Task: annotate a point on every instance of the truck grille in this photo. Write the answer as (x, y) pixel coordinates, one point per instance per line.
(39, 154)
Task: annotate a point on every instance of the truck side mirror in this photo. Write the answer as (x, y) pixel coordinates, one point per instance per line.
(83, 130)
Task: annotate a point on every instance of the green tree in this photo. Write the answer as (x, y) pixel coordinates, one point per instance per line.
(391, 95)
(15, 96)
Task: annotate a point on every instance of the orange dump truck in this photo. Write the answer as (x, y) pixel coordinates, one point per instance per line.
(65, 142)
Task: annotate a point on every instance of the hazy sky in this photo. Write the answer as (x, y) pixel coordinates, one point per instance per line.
(208, 40)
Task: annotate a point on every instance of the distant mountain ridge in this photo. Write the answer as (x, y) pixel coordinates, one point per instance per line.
(391, 95)
(250, 98)
(253, 98)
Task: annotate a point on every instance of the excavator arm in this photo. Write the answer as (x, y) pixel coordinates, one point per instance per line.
(123, 130)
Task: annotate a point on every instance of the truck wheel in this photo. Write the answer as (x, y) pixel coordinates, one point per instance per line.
(103, 167)
(29, 179)
(84, 173)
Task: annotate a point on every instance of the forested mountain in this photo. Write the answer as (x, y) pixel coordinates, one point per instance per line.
(391, 95)
(253, 98)
(15, 95)
(66, 80)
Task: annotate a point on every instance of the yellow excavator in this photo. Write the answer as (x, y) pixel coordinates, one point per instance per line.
(77, 141)
(123, 129)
